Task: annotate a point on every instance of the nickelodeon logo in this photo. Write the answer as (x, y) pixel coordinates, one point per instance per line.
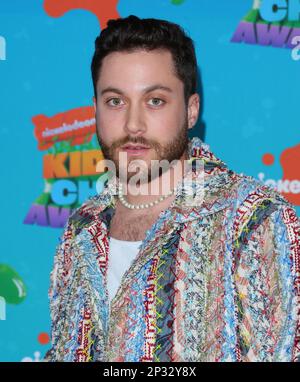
(76, 125)
(289, 185)
(278, 10)
(71, 164)
(270, 23)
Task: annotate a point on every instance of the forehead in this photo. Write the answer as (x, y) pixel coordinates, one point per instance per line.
(138, 69)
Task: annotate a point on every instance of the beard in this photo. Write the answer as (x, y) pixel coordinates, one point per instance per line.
(170, 151)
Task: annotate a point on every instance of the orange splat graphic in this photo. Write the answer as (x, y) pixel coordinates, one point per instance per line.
(290, 162)
(104, 10)
(76, 126)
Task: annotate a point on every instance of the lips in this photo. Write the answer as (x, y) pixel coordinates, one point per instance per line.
(135, 150)
(135, 147)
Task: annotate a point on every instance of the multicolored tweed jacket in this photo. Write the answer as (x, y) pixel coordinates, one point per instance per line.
(218, 281)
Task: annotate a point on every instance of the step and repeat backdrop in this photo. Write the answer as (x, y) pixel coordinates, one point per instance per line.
(249, 60)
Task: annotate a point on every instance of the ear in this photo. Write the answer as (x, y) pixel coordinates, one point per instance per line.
(95, 103)
(193, 109)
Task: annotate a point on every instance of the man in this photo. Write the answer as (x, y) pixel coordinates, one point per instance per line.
(165, 277)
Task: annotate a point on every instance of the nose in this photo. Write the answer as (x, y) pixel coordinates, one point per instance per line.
(135, 123)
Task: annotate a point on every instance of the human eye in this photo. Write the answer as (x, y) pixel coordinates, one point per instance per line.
(157, 101)
(115, 101)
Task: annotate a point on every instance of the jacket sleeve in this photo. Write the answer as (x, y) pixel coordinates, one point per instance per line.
(57, 293)
(267, 285)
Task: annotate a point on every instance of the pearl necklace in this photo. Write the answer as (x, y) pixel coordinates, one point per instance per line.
(141, 206)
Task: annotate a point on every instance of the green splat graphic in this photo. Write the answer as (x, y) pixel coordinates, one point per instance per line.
(177, 2)
(12, 287)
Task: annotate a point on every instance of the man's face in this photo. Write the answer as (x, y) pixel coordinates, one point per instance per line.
(141, 101)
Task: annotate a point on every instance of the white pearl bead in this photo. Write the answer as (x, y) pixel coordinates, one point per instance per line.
(141, 206)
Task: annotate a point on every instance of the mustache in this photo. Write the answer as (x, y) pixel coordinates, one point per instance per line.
(135, 141)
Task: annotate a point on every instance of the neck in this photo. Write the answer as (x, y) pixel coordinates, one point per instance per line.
(161, 185)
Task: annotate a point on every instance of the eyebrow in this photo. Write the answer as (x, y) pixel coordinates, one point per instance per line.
(145, 91)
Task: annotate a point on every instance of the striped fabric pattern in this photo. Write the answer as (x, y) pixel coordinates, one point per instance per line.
(214, 281)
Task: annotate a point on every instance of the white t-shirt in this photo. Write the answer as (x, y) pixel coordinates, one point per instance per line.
(121, 255)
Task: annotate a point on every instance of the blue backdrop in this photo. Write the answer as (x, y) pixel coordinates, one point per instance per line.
(250, 119)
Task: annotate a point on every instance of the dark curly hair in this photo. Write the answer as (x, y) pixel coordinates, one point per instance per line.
(133, 33)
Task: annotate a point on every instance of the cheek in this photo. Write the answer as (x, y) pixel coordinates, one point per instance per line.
(166, 123)
(109, 125)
